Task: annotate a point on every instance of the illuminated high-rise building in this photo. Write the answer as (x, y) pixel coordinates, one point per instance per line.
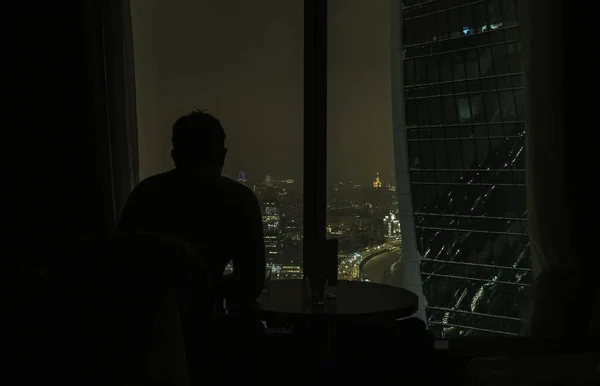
(459, 132)
(392, 226)
(271, 218)
(291, 251)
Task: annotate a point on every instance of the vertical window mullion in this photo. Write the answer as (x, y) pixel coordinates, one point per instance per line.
(315, 129)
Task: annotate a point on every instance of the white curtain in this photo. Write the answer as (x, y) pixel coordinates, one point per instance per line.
(406, 272)
(121, 100)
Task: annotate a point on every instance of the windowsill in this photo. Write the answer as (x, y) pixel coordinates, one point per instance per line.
(514, 346)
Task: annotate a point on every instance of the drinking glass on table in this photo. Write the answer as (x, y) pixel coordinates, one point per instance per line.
(267, 282)
(316, 289)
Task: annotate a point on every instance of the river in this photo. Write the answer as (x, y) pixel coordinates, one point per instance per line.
(375, 268)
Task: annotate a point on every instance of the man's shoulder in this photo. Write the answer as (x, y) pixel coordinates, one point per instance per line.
(237, 189)
(155, 180)
(172, 180)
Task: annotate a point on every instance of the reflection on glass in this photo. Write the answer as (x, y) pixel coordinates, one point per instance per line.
(465, 130)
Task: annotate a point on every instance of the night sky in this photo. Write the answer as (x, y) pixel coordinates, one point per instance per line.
(242, 60)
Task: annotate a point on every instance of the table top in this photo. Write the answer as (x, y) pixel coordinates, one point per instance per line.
(355, 301)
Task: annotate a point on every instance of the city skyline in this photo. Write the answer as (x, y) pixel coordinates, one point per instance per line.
(243, 176)
(362, 217)
(437, 100)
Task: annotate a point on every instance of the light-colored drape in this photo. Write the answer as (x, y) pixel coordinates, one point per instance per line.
(121, 99)
(406, 272)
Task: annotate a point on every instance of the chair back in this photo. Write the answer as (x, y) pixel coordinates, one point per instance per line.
(160, 308)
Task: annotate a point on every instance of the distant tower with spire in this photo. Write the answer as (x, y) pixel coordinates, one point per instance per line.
(377, 182)
(242, 177)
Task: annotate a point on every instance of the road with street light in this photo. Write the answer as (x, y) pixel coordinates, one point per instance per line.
(375, 261)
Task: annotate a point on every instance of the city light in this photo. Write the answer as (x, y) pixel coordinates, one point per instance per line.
(361, 216)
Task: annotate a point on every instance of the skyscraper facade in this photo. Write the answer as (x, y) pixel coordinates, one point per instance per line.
(459, 130)
(271, 218)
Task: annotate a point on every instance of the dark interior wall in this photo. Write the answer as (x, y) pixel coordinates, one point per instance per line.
(562, 85)
(60, 182)
(56, 185)
(582, 131)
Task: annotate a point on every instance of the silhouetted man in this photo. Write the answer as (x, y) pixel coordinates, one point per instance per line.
(193, 202)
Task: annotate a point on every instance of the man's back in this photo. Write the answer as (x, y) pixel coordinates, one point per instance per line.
(220, 217)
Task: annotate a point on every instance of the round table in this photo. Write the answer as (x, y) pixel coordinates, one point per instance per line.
(287, 301)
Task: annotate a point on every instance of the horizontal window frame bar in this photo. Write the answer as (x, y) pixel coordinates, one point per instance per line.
(413, 127)
(411, 7)
(465, 183)
(477, 279)
(420, 5)
(466, 93)
(475, 265)
(444, 82)
(470, 217)
(470, 328)
(445, 309)
(450, 52)
(465, 138)
(466, 170)
(445, 40)
(470, 230)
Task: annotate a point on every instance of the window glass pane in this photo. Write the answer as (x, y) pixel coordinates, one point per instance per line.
(241, 61)
(361, 198)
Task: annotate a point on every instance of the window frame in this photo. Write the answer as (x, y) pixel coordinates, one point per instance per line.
(315, 131)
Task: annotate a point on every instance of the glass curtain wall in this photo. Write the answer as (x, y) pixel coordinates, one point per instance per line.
(465, 130)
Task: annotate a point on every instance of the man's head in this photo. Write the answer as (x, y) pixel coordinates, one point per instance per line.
(198, 142)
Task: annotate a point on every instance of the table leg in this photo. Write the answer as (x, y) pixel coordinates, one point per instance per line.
(328, 347)
(317, 336)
